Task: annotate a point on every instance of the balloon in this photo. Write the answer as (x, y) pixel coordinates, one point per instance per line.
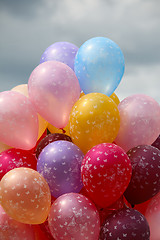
(25, 195)
(13, 230)
(126, 223)
(73, 216)
(94, 119)
(153, 217)
(15, 158)
(140, 121)
(42, 123)
(53, 129)
(60, 164)
(54, 88)
(39, 235)
(64, 52)
(45, 229)
(106, 172)
(115, 98)
(156, 143)
(18, 121)
(99, 65)
(33, 150)
(51, 138)
(4, 147)
(145, 180)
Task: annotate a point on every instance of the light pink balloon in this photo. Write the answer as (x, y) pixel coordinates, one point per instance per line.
(10, 229)
(153, 217)
(73, 216)
(139, 121)
(18, 121)
(54, 88)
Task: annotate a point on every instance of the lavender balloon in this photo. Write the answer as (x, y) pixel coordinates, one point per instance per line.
(60, 164)
(64, 52)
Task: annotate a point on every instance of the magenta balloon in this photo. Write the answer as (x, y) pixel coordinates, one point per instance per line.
(52, 137)
(73, 216)
(10, 229)
(153, 217)
(126, 224)
(54, 88)
(18, 121)
(140, 121)
(145, 180)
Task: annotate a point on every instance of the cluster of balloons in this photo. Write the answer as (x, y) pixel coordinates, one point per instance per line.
(77, 163)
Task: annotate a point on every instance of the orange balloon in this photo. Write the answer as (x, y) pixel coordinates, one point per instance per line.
(25, 195)
(115, 98)
(4, 147)
(53, 129)
(23, 88)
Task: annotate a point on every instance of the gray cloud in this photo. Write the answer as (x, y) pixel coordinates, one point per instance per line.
(28, 29)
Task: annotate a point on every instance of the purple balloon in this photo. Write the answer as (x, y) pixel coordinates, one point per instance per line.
(145, 180)
(126, 223)
(156, 143)
(64, 52)
(60, 164)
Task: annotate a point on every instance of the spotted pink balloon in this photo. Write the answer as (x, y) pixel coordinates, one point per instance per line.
(18, 121)
(73, 216)
(10, 229)
(140, 121)
(54, 89)
(106, 172)
(15, 158)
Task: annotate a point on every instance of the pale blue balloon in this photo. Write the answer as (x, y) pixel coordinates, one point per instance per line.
(99, 66)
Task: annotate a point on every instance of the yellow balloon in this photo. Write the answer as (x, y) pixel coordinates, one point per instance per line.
(23, 88)
(4, 147)
(53, 129)
(115, 98)
(94, 119)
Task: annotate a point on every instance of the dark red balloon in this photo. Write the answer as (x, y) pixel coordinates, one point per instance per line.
(15, 158)
(126, 223)
(156, 143)
(52, 137)
(33, 150)
(145, 180)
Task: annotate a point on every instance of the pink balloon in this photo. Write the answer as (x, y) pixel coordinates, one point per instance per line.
(54, 88)
(153, 217)
(140, 121)
(73, 216)
(18, 121)
(10, 229)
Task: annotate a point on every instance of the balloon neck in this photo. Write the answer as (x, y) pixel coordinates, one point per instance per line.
(64, 131)
(132, 205)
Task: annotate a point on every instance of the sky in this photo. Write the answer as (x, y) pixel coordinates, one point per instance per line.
(27, 28)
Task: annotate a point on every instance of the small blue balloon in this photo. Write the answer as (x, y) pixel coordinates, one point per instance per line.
(60, 164)
(99, 66)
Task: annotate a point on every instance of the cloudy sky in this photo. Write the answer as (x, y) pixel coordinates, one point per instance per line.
(27, 28)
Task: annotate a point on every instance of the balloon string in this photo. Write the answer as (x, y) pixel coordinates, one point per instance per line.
(64, 131)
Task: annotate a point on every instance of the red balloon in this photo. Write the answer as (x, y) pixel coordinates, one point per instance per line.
(40, 235)
(126, 223)
(145, 180)
(106, 172)
(15, 158)
(33, 150)
(52, 137)
(156, 143)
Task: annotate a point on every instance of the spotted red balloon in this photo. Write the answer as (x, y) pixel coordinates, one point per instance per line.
(15, 158)
(145, 180)
(106, 172)
(126, 224)
(51, 138)
(73, 216)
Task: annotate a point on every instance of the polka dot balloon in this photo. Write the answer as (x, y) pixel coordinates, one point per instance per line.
(126, 223)
(64, 52)
(73, 216)
(94, 119)
(15, 158)
(11, 229)
(25, 195)
(60, 164)
(106, 172)
(145, 180)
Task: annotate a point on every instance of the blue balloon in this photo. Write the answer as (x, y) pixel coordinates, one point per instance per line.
(99, 66)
